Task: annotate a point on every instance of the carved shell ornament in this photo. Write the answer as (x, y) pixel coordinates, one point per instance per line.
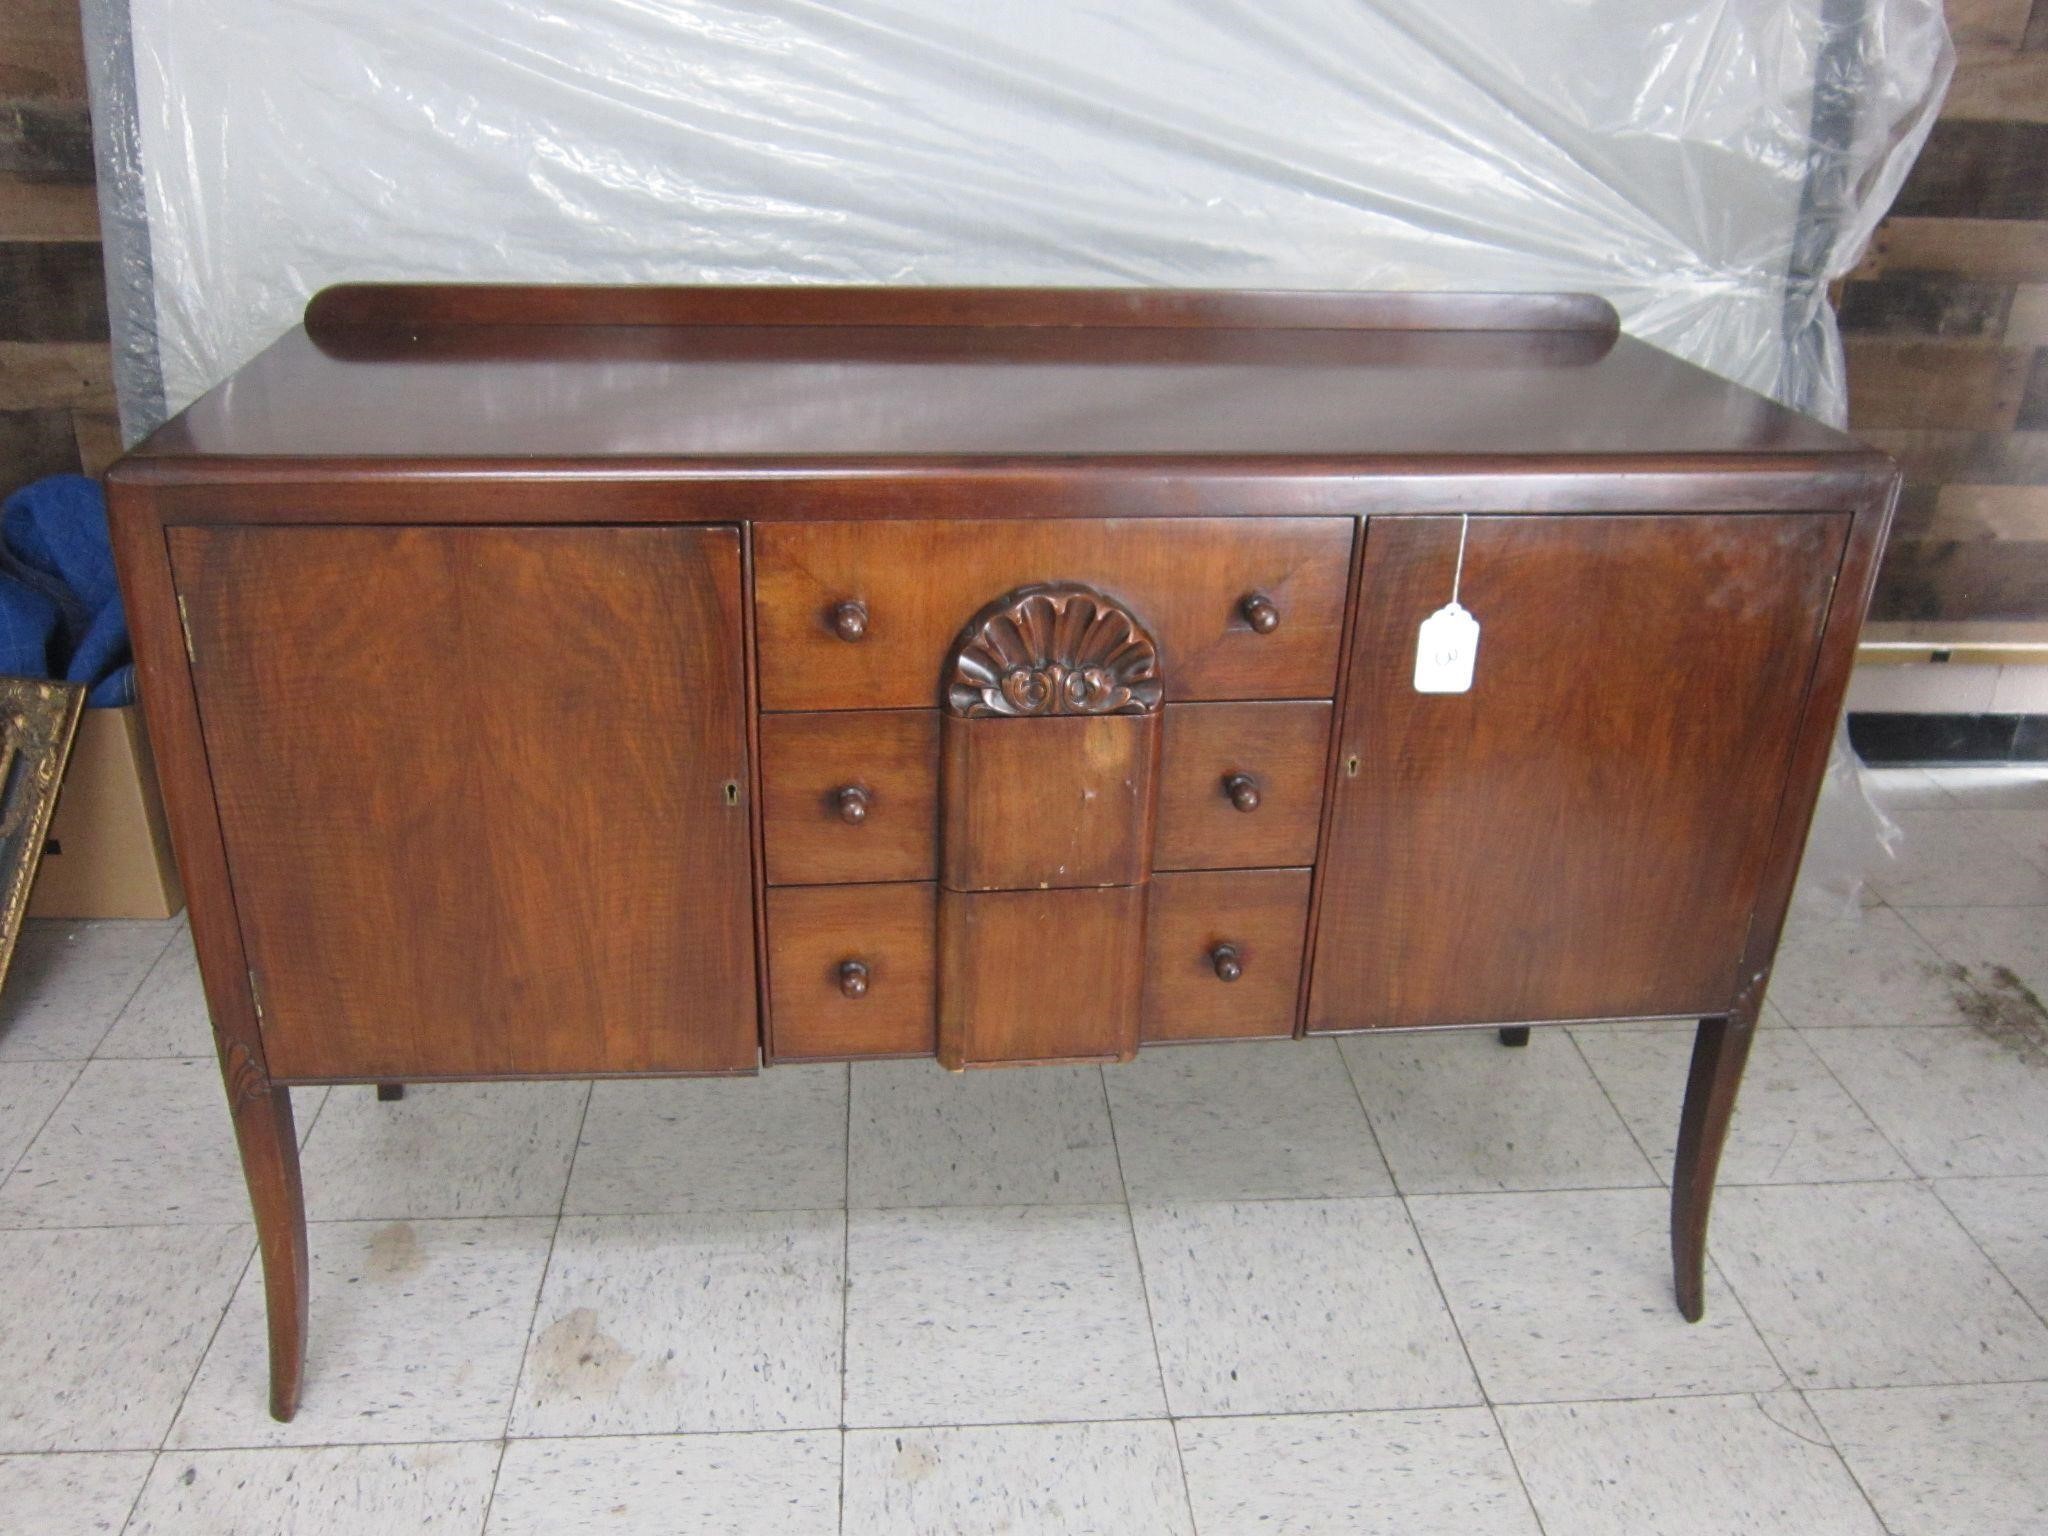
(1054, 648)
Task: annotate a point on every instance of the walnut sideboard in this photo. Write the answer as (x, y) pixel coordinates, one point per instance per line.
(581, 682)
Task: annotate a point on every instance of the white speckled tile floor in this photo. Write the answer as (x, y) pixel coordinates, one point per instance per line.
(1411, 1284)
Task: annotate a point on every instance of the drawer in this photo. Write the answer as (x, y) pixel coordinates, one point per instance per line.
(1223, 954)
(850, 796)
(1241, 785)
(1040, 976)
(821, 1009)
(1057, 803)
(907, 589)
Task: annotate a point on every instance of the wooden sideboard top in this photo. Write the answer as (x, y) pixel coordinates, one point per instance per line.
(863, 379)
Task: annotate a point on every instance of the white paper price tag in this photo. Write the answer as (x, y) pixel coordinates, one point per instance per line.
(1445, 651)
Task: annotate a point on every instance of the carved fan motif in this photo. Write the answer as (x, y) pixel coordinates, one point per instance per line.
(1054, 648)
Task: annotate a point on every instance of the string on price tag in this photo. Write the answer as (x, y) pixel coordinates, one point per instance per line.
(1448, 644)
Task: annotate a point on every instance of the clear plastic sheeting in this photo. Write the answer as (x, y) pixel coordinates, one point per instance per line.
(1705, 166)
(1708, 167)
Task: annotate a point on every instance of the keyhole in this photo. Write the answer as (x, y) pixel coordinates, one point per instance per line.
(732, 791)
(1351, 766)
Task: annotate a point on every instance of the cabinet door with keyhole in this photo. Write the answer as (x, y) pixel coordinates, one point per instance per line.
(1581, 834)
(482, 794)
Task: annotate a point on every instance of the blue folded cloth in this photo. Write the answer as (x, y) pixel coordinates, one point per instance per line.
(60, 607)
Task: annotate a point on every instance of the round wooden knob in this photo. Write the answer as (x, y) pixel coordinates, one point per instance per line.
(1243, 790)
(853, 978)
(853, 804)
(1225, 958)
(1260, 613)
(850, 620)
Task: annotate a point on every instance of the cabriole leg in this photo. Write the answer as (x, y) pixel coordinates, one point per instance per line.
(1719, 1050)
(270, 1162)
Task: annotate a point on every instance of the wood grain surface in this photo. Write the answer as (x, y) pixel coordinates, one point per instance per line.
(1262, 915)
(1040, 976)
(1582, 835)
(809, 763)
(1280, 747)
(473, 785)
(813, 931)
(1186, 580)
(1048, 803)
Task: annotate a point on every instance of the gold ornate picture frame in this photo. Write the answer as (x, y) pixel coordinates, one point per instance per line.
(38, 720)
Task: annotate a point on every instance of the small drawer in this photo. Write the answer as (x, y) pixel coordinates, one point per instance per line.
(1241, 785)
(850, 797)
(1056, 803)
(1040, 976)
(861, 615)
(850, 971)
(1223, 954)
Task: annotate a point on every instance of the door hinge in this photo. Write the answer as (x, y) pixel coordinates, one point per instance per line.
(255, 995)
(185, 623)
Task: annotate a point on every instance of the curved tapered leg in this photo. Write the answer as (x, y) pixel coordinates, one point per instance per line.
(1719, 1050)
(270, 1163)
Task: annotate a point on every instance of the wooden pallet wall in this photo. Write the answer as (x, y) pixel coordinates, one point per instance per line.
(56, 371)
(1946, 326)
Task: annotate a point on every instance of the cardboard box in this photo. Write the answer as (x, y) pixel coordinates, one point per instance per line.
(108, 853)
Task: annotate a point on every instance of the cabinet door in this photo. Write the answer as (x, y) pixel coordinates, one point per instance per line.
(1582, 834)
(481, 790)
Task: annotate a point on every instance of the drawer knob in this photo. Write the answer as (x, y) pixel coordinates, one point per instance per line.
(1243, 790)
(853, 978)
(1229, 965)
(850, 620)
(853, 804)
(1260, 612)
